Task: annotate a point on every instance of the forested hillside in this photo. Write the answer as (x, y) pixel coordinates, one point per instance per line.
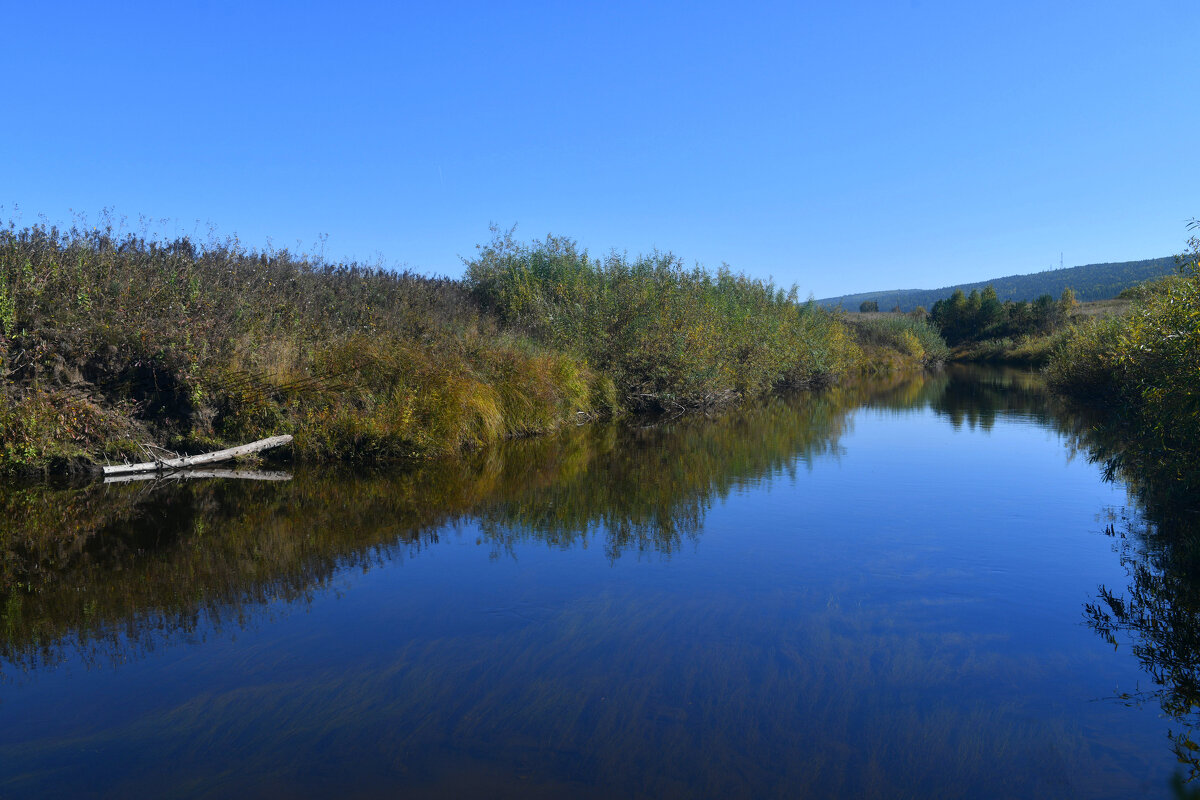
(1089, 282)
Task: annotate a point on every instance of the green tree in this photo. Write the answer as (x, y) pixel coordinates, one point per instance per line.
(991, 310)
(868, 305)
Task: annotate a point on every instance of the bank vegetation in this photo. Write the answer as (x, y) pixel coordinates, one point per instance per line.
(110, 339)
(1143, 368)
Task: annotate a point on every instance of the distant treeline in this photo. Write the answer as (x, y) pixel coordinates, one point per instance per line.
(1089, 282)
(982, 315)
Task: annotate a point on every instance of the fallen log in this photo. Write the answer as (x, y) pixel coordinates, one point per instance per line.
(186, 462)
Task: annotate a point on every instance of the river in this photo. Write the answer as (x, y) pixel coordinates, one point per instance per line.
(904, 588)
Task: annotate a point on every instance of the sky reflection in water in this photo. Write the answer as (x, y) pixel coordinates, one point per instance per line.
(874, 590)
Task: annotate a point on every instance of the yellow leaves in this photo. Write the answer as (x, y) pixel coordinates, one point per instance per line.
(911, 345)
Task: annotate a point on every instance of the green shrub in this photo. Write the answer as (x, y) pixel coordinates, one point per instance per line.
(668, 336)
(1145, 366)
(1148, 288)
(909, 335)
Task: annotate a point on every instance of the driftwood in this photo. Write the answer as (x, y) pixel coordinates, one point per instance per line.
(186, 462)
(192, 474)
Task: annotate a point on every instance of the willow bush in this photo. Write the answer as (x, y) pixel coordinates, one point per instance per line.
(1145, 367)
(910, 336)
(668, 336)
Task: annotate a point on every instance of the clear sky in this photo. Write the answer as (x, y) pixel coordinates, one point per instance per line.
(841, 146)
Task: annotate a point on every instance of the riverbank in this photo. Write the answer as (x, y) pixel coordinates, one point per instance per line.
(1035, 349)
(1143, 370)
(110, 340)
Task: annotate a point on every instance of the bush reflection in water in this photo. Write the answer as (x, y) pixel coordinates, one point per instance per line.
(108, 566)
(109, 572)
(111, 566)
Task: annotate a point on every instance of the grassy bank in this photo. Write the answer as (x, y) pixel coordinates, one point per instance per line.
(1143, 368)
(108, 340)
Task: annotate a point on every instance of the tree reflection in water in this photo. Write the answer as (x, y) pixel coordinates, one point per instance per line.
(113, 570)
(110, 572)
(1158, 617)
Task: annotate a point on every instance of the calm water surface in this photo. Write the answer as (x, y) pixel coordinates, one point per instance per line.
(877, 591)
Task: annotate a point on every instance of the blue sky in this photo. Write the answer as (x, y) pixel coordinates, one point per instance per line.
(840, 146)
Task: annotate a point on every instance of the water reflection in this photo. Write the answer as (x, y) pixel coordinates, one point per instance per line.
(976, 396)
(111, 570)
(834, 677)
(114, 569)
(1157, 616)
(1157, 540)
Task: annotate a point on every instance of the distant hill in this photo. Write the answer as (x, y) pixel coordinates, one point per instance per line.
(1089, 282)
